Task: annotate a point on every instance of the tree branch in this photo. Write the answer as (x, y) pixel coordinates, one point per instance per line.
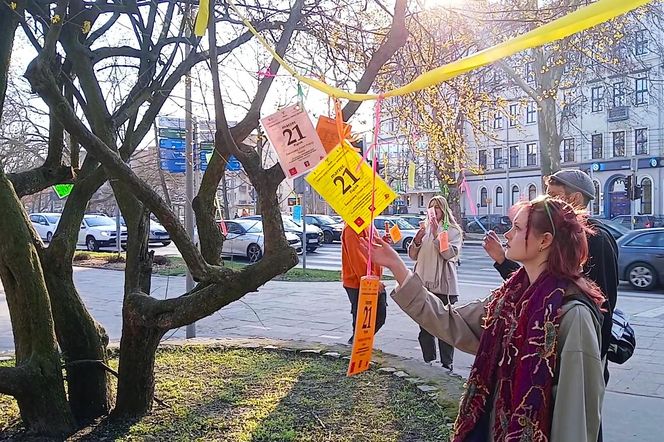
(12, 380)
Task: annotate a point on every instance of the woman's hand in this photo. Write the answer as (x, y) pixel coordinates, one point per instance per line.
(384, 255)
(418, 236)
(493, 247)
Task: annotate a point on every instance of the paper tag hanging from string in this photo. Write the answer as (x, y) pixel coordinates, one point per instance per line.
(295, 140)
(202, 18)
(365, 325)
(327, 131)
(395, 234)
(444, 241)
(349, 192)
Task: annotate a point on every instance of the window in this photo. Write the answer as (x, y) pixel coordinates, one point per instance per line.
(420, 201)
(531, 113)
(641, 91)
(515, 194)
(646, 196)
(647, 240)
(595, 202)
(499, 197)
(514, 115)
(483, 197)
(641, 141)
(498, 158)
(568, 150)
(234, 228)
(597, 99)
(484, 123)
(531, 154)
(618, 94)
(514, 156)
(532, 192)
(619, 144)
(530, 72)
(498, 120)
(596, 143)
(641, 42)
(482, 159)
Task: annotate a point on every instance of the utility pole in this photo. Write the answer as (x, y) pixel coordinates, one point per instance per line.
(189, 167)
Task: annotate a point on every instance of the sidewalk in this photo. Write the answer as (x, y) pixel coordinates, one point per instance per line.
(320, 312)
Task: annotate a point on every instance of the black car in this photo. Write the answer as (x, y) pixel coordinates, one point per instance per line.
(314, 239)
(641, 258)
(331, 229)
(615, 229)
(495, 222)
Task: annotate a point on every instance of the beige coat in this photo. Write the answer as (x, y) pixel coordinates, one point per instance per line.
(579, 391)
(438, 270)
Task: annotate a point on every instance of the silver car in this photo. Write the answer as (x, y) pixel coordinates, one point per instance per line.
(407, 230)
(245, 238)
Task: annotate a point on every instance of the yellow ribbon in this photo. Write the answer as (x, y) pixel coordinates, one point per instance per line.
(577, 21)
(202, 18)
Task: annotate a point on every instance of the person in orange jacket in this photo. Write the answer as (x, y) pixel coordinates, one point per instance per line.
(353, 267)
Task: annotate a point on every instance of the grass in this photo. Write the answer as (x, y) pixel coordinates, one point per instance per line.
(175, 266)
(254, 395)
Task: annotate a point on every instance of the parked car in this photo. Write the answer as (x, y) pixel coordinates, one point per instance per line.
(407, 230)
(100, 231)
(640, 221)
(245, 238)
(337, 218)
(413, 220)
(314, 234)
(497, 223)
(45, 224)
(331, 229)
(615, 229)
(641, 258)
(157, 232)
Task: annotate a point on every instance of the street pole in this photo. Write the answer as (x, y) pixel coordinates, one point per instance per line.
(118, 238)
(189, 176)
(304, 228)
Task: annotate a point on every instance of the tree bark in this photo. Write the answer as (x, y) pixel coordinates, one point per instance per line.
(37, 380)
(549, 136)
(79, 335)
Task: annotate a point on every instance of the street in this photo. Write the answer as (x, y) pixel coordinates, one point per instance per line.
(319, 312)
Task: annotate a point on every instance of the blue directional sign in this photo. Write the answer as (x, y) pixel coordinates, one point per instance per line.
(170, 154)
(174, 166)
(233, 164)
(171, 143)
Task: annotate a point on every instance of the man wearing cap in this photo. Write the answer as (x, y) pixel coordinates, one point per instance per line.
(576, 188)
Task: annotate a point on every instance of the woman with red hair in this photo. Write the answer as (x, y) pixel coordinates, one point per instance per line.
(537, 373)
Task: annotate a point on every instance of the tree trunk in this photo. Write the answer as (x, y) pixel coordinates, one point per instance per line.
(40, 391)
(549, 137)
(136, 370)
(79, 335)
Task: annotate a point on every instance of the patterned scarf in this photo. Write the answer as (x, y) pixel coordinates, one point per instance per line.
(515, 364)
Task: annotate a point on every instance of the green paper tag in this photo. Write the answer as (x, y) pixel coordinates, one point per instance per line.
(63, 190)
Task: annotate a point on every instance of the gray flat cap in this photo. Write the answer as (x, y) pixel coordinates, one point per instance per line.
(576, 180)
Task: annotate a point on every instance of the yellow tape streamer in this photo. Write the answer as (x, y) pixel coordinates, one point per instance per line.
(577, 21)
(202, 18)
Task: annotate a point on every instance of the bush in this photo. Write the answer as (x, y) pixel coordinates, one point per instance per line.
(160, 260)
(113, 258)
(82, 256)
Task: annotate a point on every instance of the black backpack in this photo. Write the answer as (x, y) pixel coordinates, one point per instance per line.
(623, 339)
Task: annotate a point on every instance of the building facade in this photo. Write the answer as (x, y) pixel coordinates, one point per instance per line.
(614, 130)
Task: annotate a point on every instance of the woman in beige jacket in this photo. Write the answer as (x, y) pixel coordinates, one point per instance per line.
(537, 374)
(437, 268)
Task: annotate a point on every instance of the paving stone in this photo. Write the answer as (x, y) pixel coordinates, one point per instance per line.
(270, 347)
(401, 374)
(332, 355)
(387, 369)
(426, 388)
(414, 381)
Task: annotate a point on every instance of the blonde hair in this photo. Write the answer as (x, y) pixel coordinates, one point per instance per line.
(448, 216)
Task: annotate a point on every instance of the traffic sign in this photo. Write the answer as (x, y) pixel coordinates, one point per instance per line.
(63, 190)
(168, 143)
(171, 122)
(174, 166)
(171, 133)
(170, 154)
